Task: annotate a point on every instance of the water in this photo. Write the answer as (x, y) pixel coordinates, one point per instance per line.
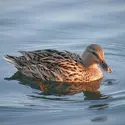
(69, 25)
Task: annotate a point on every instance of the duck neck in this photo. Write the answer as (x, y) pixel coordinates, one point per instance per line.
(87, 59)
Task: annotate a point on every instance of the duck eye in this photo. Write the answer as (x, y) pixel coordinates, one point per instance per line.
(95, 54)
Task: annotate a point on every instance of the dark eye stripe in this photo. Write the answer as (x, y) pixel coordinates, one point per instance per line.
(95, 54)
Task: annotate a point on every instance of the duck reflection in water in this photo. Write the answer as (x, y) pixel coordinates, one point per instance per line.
(90, 90)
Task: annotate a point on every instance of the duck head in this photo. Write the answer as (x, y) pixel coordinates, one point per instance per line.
(94, 54)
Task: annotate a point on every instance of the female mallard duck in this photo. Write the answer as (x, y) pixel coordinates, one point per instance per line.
(62, 66)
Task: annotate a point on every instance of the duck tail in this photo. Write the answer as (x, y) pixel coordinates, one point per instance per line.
(12, 59)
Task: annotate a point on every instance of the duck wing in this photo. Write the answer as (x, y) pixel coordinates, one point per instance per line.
(46, 64)
(40, 56)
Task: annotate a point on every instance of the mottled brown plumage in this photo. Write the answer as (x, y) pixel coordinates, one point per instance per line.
(61, 66)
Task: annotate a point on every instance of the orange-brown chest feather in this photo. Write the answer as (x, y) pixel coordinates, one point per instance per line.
(71, 71)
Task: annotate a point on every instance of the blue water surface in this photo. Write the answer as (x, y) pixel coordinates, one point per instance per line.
(64, 25)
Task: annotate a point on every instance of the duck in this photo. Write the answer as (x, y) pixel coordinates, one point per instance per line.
(62, 66)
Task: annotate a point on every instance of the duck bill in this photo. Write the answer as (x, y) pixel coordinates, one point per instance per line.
(105, 67)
